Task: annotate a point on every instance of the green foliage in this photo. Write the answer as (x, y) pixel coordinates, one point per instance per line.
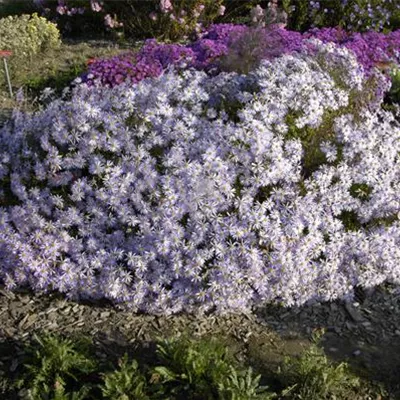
(359, 15)
(297, 11)
(243, 386)
(313, 377)
(55, 363)
(125, 383)
(192, 367)
(311, 139)
(63, 369)
(350, 221)
(203, 370)
(56, 80)
(5, 387)
(394, 93)
(361, 191)
(238, 12)
(17, 7)
(27, 35)
(88, 24)
(55, 69)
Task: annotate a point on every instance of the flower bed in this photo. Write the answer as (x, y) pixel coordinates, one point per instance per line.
(197, 193)
(228, 47)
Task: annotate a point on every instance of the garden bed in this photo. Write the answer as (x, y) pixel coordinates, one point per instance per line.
(364, 335)
(176, 189)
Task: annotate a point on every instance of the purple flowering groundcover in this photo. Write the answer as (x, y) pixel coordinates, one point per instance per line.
(370, 48)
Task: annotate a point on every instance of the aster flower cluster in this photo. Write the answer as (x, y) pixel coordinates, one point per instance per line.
(187, 192)
(221, 41)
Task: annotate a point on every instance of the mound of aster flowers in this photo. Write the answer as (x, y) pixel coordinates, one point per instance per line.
(192, 193)
(227, 47)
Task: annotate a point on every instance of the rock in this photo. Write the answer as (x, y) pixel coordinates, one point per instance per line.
(353, 312)
(23, 299)
(14, 365)
(105, 314)
(356, 353)
(30, 321)
(66, 310)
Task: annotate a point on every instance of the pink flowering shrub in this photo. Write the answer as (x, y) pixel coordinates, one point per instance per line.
(162, 19)
(172, 19)
(75, 17)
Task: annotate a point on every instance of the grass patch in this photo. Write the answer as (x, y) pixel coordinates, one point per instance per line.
(56, 69)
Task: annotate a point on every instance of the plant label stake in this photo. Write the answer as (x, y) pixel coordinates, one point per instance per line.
(4, 54)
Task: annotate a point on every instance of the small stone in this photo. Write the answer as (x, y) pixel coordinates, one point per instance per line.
(31, 320)
(14, 365)
(105, 314)
(333, 349)
(333, 306)
(23, 299)
(23, 320)
(397, 332)
(354, 314)
(356, 353)
(66, 310)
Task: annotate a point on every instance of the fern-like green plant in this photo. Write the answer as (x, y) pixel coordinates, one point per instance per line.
(53, 364)
(192, 367)
(243, 386)
(313, 376)
(203, 370)
(126, 383)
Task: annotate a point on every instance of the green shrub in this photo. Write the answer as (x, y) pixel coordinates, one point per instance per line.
(54, 364)
(203, 370)
(71, 23)
(238, 11)
(358, 15)
(27, 35)
(313, 376)
(125, 383)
